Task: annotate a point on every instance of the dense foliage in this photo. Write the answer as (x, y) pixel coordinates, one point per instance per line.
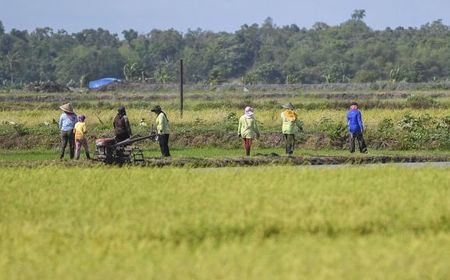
(266, 53)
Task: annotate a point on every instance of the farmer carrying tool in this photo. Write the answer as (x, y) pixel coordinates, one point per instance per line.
(121, 125)
(66, 124)
(248, 129)
(291, 125)
(356, 128)
(162, 130)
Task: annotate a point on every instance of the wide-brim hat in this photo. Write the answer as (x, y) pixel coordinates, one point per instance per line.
(67, 108)
(288, 106)
(156, 108)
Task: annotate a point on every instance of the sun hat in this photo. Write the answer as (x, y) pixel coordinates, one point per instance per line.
(288, 106)
(67, 108)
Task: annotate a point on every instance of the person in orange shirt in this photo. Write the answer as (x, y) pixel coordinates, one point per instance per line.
(80, 137)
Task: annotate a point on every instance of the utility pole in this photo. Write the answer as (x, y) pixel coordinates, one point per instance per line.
(181, 89)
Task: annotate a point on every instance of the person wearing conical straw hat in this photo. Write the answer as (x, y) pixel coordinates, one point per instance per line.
(67, 122)
(291, 125)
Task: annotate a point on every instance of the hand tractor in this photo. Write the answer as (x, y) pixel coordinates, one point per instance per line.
(109, 151)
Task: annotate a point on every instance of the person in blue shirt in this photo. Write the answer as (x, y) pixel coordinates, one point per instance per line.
(67, 122)
(356, 128)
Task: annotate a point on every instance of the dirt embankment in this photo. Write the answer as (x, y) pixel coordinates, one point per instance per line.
(282, 160)
(262, 160)
(187, 139)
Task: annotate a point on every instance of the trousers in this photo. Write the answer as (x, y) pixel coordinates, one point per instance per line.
(290, 143)
(247, 145)
(81, 143)
(358, 136)
(163, 140)
(67, 137)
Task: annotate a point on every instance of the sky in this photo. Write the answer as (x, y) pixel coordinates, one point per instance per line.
(213, 15)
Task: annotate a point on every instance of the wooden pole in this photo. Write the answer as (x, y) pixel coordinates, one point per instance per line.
(181, 89)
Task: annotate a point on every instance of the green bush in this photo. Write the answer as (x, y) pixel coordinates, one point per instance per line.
(365, 76)
(421, 102)
(385, 135)
(424, 132)
(335, 131)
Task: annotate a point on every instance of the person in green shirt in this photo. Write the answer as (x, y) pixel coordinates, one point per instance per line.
(162, 130)
(291, 125)
(248, 129)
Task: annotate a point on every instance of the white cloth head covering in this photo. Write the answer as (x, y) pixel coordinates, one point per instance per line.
(248, 112)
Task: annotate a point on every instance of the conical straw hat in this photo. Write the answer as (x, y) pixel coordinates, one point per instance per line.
(67, 108)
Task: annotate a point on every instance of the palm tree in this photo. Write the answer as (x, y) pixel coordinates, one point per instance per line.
(358, 15)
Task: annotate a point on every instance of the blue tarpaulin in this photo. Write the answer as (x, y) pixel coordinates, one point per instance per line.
(102, 82)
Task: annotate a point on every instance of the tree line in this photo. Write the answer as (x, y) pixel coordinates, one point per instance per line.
(257, 53)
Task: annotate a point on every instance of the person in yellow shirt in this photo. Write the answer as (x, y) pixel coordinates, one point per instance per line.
(291, 125)
(80, 137)
(162, 130)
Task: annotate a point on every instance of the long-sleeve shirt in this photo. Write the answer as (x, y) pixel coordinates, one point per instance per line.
(290, 122)
(354, 121)
(67, 121)
(162, 124)
(248, 127)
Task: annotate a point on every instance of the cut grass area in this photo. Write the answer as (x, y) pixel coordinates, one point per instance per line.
(37, 155)
(253, 223)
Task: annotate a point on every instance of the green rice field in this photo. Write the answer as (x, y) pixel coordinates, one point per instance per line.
(365, 222)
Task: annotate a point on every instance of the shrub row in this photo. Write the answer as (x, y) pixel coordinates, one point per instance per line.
(409, 133)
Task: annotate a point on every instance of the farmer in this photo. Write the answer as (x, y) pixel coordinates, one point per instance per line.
(80, 137)
(162, 130)
(248, 129)
(122, 128)
(67, 122)
(291, 125)
(356, 128)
